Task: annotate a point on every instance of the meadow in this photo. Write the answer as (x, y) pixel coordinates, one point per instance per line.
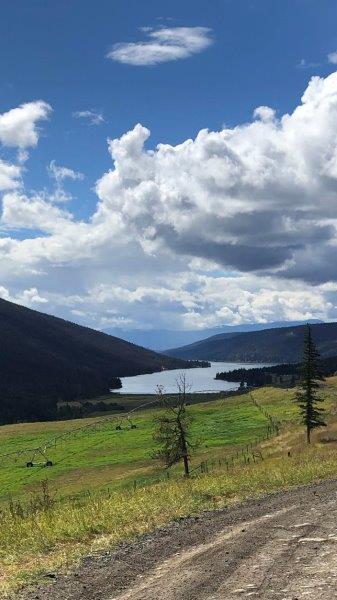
(54, 530)
(92, 454)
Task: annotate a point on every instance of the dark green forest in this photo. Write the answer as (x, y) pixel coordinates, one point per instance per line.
(280, 345)
(44, 359)
(260, 376)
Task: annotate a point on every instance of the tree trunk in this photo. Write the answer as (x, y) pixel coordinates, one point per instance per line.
(186, 466)
(308, 434)
(183, 446)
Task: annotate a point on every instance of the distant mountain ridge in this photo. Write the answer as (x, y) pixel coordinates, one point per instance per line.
(44, 359)
(268, 345)
(161, 339)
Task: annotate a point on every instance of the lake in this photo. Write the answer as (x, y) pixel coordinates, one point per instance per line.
(199, 380)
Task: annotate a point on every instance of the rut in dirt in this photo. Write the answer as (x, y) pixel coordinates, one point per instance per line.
(283, 547)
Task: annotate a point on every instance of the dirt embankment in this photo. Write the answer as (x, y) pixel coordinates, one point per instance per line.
(283, 547)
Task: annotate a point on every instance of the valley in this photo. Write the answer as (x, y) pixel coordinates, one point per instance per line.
(80, 486)
(168, 300)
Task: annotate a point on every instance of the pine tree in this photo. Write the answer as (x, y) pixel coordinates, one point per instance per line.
(307, 396)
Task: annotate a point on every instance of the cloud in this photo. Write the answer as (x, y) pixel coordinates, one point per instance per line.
(94, 117)
(265, 113)
(10, 176)
(190, 301)
(28, 297)
(304, 64)
(18, 127)
(237, 225)
(332, 58)
(253, 198)
(163, 45)
(21, 212)
(61, 173)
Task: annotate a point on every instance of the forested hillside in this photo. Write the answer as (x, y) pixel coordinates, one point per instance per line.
(44, 359)
(160, 339)
(269, 345)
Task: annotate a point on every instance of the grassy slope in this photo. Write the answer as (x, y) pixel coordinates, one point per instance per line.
(97, 458)
(57, 536)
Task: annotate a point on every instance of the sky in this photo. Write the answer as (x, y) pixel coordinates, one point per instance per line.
(169, 165)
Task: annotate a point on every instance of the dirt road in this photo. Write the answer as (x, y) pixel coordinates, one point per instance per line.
(282, 547)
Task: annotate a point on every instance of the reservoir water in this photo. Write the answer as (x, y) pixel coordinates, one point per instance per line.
(198, 380)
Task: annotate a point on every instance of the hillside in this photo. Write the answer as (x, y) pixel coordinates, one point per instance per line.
(44, 359)
(269, 345)
(160, 339)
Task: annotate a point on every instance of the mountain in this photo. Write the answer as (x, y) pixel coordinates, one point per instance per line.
(269, 345)
(44, 359)
(160, 339)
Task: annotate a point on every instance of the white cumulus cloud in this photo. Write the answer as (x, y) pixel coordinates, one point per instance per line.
(22, 212)
(19, 126)
(258, 197)
(10, 176)
(237, 225)
(29, 297)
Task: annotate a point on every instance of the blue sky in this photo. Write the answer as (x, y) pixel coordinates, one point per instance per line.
(247, 54)
(55, 51)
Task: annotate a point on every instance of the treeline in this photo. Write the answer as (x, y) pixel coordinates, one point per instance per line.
(77, 411)
(25, 407)
(259, 376)
(19, 405)
(194, 364)
(290, 372)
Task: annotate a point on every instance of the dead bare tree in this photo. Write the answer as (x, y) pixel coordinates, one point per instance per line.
(172, 433)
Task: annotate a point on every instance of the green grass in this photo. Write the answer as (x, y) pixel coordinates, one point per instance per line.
(58, 536)
(51, 537)
(107, 457)
(92, 459)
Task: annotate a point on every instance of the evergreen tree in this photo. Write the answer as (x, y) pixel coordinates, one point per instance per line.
(307, 396)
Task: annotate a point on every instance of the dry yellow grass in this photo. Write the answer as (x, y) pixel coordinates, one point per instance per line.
(55, 537)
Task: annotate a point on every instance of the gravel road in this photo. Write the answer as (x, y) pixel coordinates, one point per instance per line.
(281, 547)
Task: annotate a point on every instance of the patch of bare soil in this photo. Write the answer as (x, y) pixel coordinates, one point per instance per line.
(283, 547)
